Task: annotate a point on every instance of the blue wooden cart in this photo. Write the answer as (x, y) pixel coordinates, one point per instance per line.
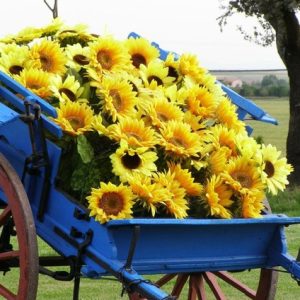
(190, 250)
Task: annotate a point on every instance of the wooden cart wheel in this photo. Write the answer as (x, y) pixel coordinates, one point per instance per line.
(18, 242)
(217, 285)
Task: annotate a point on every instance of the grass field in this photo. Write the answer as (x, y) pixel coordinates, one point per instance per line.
(288, 203)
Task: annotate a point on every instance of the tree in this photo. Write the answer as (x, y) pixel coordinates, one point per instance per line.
(277, 21)
(54, 9)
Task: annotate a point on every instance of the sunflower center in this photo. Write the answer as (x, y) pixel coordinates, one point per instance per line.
(68, 93)
(138, 59)
(156, 78)
(116, 99)
(133, 134)
(46, 63)
(172, 72)
(112, 203)
(81, 59)
(15, 69)
(269, 169)
(243, 179)
(105, 60)
(131, 161)
(162, 117)
(177, 142)
(33, 85)
(75, 122)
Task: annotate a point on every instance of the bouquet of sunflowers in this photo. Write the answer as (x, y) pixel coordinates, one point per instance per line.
(143, 137)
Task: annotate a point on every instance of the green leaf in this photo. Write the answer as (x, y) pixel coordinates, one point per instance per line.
(84, 148)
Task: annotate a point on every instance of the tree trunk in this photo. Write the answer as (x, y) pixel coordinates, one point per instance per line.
(293, 139)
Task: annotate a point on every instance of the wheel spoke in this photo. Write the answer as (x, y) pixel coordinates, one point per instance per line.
(9, 255)
(180, 282)
(198, 285)
(165, 279)
(211, 280)
(236, 284)
(7, 294)
(5, 214)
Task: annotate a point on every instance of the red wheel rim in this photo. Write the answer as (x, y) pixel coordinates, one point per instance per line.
(18, 208)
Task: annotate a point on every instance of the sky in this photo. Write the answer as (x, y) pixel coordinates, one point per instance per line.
(181, 26)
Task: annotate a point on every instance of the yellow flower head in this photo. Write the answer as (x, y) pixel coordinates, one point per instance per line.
(189, 66)
(78, 56)
(109, 54)
(110, 202)
(275, 169)
(67, 89)
(48, 56)
(201, 102)
(134, 132)
(141, 51)
(174, 201)
(118, 98)
(243, 175)
(155, 75)
(36, 81)
(185, 179)
(252, 204)
(13, 62)
(74, 118)
(149, 194)
(226, 114)
(127, 161)
(179, 141)
(160, 111)
(173, 67)
(218, 197)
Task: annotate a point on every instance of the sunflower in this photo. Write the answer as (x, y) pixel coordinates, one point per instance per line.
(178, 140)
(141, 51)
(54, 26)
(109, 55)
(70, 35)
(189, 66)
(67, 89)
(110, 202)
(36, 81)
(74, 118)
(201, 102)
(134, 132)
(78, 56)
(118, 98)
(149, 194)
(226, 114)
(48, 56)
(174, 200)
(252, 204)
(217, 160)
(27, 35)
(185, 179)
(155, 75)
(275, 169)
(224, 137)
(243, 175)
(127, 161)
(218, 197)
(248, 147)
(14, 62)
(161, 111)
(173, 67)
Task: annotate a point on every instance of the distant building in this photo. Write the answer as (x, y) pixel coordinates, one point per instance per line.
(232, 82)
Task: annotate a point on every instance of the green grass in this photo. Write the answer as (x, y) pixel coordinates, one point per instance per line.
(273, 134)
